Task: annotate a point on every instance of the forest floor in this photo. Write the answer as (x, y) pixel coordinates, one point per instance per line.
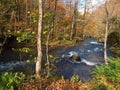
(56, 84)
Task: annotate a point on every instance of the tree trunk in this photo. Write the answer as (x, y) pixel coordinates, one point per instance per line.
(106, 33)
(84, 18)
(105, 42)
(73, 30)
(47, 54)
(17, 2)
(53, 23)
(39, 49)
(26, 13)
(2, 44)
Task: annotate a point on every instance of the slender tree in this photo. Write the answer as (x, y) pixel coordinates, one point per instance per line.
(39, 49)
(73, 30)
(26, 12)
(107, 28)
(84, 18)
(53, 21)
(106, 34)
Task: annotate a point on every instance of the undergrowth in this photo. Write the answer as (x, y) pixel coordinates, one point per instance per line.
(107, 77)
(9, 80)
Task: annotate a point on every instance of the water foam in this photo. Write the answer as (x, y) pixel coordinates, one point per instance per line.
(73, 53)
(11, 64)
(95, 42)
(84, 61)
(88, 63)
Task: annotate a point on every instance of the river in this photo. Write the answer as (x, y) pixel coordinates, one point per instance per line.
(90, 51)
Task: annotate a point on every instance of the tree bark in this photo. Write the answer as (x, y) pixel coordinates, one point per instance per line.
(84, 18)
(106, 33)
(53, 23)
(39, 49)
(26, 13)
(105, 43)
(73, 30)
(2, 44)
(47, 54)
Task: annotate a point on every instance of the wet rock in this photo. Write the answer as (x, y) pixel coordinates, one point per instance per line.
(75, 57)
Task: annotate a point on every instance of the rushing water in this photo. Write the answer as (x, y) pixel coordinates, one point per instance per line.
(90, 51)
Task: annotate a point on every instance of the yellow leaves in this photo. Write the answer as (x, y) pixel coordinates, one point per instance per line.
(27, 61)
(25, 50)
(51, 56)
(66, 35)
(46, 64)
(18, 32)
(33, 32)
(31, 60)
(8, 31)
(34, 59)
(45, 32)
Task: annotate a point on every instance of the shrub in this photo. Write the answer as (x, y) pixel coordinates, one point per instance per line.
(108, 76)
(9, 80)
(116, 50)
(114, 39)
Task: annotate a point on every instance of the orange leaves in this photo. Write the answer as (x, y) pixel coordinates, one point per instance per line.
(20, 23)
(52, 4)
(68, 18)
(58, 7)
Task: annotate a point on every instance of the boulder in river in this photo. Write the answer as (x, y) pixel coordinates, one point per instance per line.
(75, 57)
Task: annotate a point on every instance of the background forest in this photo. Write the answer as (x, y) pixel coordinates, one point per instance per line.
(63, 24)
(61, 19)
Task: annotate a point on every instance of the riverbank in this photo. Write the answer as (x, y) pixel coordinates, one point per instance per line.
(8, 54)
(103, 79)
(89, 50)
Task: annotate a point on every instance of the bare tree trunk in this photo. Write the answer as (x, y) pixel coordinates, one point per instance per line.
(105, 43)
(2, 44)
(106, 33)
(48, 1)
(47, 54)
(39, 49)
(13, 19)
(107, 28)
(18, 10)
(26, 13)
(73, 30)
(84, 18)
(53, 23)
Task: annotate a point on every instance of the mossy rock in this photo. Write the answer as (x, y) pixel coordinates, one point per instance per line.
(75, 58)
